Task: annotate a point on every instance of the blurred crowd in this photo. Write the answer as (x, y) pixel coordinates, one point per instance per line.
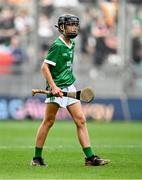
(16, 24)
(98, 32)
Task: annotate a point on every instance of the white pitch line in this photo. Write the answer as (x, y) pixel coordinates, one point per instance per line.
(62, 179)
(131, 146)
(57, 179)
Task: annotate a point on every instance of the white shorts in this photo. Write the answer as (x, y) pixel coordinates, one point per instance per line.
(64, 101)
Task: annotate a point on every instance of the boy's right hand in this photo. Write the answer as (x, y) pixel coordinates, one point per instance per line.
(56, 91)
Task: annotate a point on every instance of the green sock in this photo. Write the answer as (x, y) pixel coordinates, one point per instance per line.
(38, 152)
(88, 152)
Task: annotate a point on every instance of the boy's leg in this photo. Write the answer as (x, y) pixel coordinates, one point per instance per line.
(49, 119)
(79, 118)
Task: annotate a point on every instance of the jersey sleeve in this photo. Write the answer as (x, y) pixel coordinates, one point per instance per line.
(53, 54)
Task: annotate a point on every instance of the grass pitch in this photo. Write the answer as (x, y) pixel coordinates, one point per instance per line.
(120, 142)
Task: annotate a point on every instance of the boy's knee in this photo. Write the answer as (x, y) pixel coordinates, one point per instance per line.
(49, 122)
(80, 122)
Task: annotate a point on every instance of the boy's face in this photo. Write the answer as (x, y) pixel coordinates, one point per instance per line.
(70, 29)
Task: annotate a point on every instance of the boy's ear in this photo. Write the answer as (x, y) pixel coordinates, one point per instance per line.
(62, 28)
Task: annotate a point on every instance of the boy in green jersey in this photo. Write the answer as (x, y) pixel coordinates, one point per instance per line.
(57, 70)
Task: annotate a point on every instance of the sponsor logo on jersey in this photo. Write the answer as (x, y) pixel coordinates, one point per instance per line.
(69, 65)
(64, 54)
(70, 52)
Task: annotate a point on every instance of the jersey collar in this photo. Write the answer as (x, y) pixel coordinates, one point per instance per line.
(65, 42)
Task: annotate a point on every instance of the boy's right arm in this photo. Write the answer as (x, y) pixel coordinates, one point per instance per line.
(47, 75)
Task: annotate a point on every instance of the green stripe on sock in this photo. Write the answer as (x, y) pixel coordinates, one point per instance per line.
(38, 152)
(88, 152)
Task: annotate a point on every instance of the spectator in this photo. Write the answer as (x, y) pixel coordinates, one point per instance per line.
(103, 30)
(85, 30)
(18, 53)
(99, 32)
(47, 7)
(6, 60)
(23, 22)
(65, 3)
(7, 27)
(45, 31)
(109, 10)
(137, 39)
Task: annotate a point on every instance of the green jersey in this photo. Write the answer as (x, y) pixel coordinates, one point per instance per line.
(60, 57)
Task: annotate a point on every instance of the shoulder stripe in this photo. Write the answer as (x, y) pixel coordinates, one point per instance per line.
(50, 62)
